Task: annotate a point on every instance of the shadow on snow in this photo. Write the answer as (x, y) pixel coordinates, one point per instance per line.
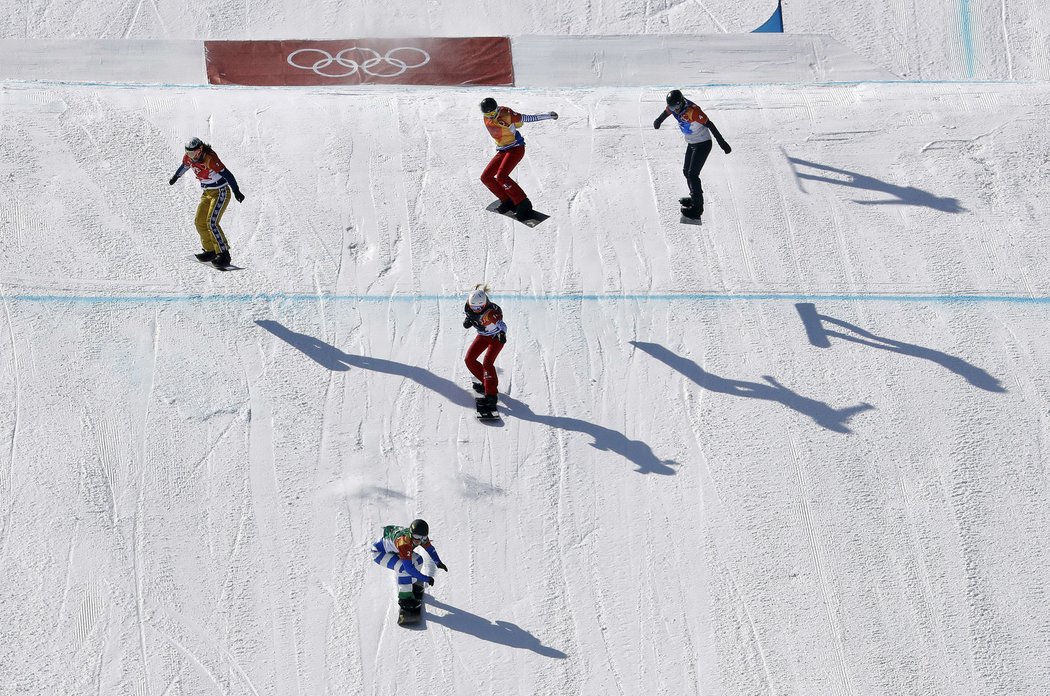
(605, 439)
(502, 632)
(899, 195)
(834, 419)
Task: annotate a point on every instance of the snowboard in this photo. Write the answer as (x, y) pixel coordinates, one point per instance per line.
(411, 617)
(685, 202)
(534, 218)
(485, 413)
(230, 267)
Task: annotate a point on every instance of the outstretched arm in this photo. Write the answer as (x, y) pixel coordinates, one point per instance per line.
(532, 118)
(661, 118)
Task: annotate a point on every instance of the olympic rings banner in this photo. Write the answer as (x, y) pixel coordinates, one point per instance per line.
(426, 61)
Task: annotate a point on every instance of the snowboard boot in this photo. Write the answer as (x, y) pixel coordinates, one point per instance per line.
(693, 213)
(205, 256)
(505, 206)
(686, 201)
(487, 402)
(524, 210)
(221, 260)
(478, 387)
(410, 604)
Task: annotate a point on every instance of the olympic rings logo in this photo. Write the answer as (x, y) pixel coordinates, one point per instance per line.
(350, 64)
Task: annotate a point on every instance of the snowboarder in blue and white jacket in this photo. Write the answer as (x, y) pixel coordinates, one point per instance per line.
(396, 550)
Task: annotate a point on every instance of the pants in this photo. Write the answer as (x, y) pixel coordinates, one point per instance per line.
(484, 372)
(695, 157)
(393, 562)
(496, 176)
(209, 212)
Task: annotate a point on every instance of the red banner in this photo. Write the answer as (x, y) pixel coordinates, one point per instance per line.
(445, 62)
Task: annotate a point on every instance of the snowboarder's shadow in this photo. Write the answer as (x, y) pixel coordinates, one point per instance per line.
(834, 419)
(819, 336)
(502, 632)
(901, 195)
(606, 439)
(330, 357)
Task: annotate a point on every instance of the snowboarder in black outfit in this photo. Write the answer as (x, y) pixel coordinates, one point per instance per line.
(697, 129)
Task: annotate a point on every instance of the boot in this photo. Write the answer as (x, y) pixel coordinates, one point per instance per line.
(487, 402)
(205, 256)
(692, 213)
(505, 206)
(222, 260)
(524, 210)
(408, 603)
(686, 201)
(478, 387)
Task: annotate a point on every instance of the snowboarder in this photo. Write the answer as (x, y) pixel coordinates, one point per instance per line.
(502, 124)
(217, 182)
(697, 129)
(487, 318)
(396, 550)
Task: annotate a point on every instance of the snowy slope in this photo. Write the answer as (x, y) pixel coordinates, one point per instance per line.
(798, 450)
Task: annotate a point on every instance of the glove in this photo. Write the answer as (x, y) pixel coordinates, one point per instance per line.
(443, 567)
(501, 337)
(239, 196)
(467, 323)
(656, 124)
(725, 147)
(430, 581)
(554, 115)
(172, 180)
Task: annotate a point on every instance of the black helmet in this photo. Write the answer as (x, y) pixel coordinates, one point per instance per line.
(675, 100)
(488, 105)
(419, 528)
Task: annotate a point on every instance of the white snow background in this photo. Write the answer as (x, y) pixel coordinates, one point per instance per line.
(798, 450)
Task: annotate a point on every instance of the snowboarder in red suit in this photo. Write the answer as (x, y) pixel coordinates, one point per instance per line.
(487, 318)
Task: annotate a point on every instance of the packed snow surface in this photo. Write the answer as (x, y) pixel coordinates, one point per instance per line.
(800, 449)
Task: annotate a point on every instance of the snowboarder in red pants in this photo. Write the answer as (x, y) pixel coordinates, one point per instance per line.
(487, 318)
(502, 124)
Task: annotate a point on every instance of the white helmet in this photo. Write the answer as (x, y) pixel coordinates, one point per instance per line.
(477, 300)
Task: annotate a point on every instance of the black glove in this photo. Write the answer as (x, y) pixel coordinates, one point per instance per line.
(172, 180)
(443, 567)
(467, 323)
(430, 581)
(501, 337)
(239, 196)
(725, 147)
(554, 115)
(656, 123)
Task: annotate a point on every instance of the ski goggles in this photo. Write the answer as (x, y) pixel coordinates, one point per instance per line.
(420, 539)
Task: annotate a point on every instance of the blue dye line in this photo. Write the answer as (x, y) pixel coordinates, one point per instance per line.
(503, 297)
(967, 36)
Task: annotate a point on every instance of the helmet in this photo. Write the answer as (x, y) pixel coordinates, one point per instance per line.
(193, 144)
(477, 300)
(419, 528)
(675, 100)
(488, 105)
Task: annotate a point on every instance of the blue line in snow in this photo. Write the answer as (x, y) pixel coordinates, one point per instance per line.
(967, 36)
(502, 297)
